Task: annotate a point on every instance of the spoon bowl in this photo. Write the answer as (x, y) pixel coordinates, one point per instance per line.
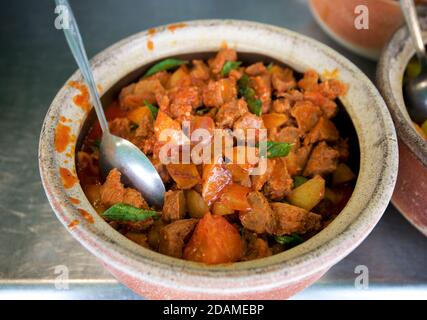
(415, 93)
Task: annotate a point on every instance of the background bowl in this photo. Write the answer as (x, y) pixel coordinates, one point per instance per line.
(337, 18)
(158, 276)
(410, 195)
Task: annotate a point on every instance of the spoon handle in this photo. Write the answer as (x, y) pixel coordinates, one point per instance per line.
(410, 14)
(75, 42)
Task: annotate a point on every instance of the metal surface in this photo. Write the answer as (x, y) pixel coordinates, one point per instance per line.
(35, 62)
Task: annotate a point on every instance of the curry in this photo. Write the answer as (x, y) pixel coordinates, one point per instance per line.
(219, 212)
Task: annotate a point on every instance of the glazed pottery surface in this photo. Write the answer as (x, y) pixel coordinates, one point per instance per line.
(410, 196)
(338, 18)
(158, 276)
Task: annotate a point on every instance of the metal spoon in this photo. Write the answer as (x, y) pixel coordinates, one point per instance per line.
(115, 152)
(415, 90)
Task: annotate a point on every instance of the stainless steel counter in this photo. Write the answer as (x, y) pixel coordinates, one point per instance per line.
(35, 62)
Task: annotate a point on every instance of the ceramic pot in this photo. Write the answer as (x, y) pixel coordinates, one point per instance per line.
(410, 196)
(338, 17)
(154, 275)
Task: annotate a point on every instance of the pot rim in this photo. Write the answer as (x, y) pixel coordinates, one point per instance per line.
(336, 241)
(393, 61)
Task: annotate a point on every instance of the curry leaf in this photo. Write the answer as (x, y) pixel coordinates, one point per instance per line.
(153, 109)
(248, 93)
(278, 149)
(291, 240)
(255, 106)
(125, 212)
(164, 65)
(228, 66)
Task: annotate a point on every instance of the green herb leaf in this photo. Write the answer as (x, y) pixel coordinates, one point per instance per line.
(125, 212)
(202, 111)
(291, 241)
(243, 84)
(299, 180)
(228, 66)
(153, 109)
(278, 149)
(270, 66)
(255, 105)
(164, 65)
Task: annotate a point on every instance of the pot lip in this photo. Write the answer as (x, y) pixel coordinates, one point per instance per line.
(393, 60)
(263, 276)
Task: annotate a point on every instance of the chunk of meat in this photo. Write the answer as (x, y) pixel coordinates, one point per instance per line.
(216, 93)
(324, 130)
(328, 106)
(200, 71)
(145, 124)
(323, 160)
(258, 181)
(282, 79)
(306, 114)
(291, 219)
(214, 240)
(297, 159)
(221, 57)
(260, 217)
(257, 248)
(120, 127)
(332, 88)
(280, 182)
(161, 169)
(229, 112)
(310, 81)
(293, 95)
(113, 192)
(256, 69)
(136, 94)
(249, 121)
(186, 96)
(174, 206)
(134, 198)
(282, 105)
(139, 238)
(262, 87)
(290, 135)
(174, 235)
(343, 149)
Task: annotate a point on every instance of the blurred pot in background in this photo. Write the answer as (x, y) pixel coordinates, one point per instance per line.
(340, 18)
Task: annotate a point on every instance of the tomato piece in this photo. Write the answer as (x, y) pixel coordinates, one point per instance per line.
(186, 176)
(234, 197)
(164, 122)
(137, 114)
(274, 120)
(215, 178)
(214, 241)
(203, 122)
